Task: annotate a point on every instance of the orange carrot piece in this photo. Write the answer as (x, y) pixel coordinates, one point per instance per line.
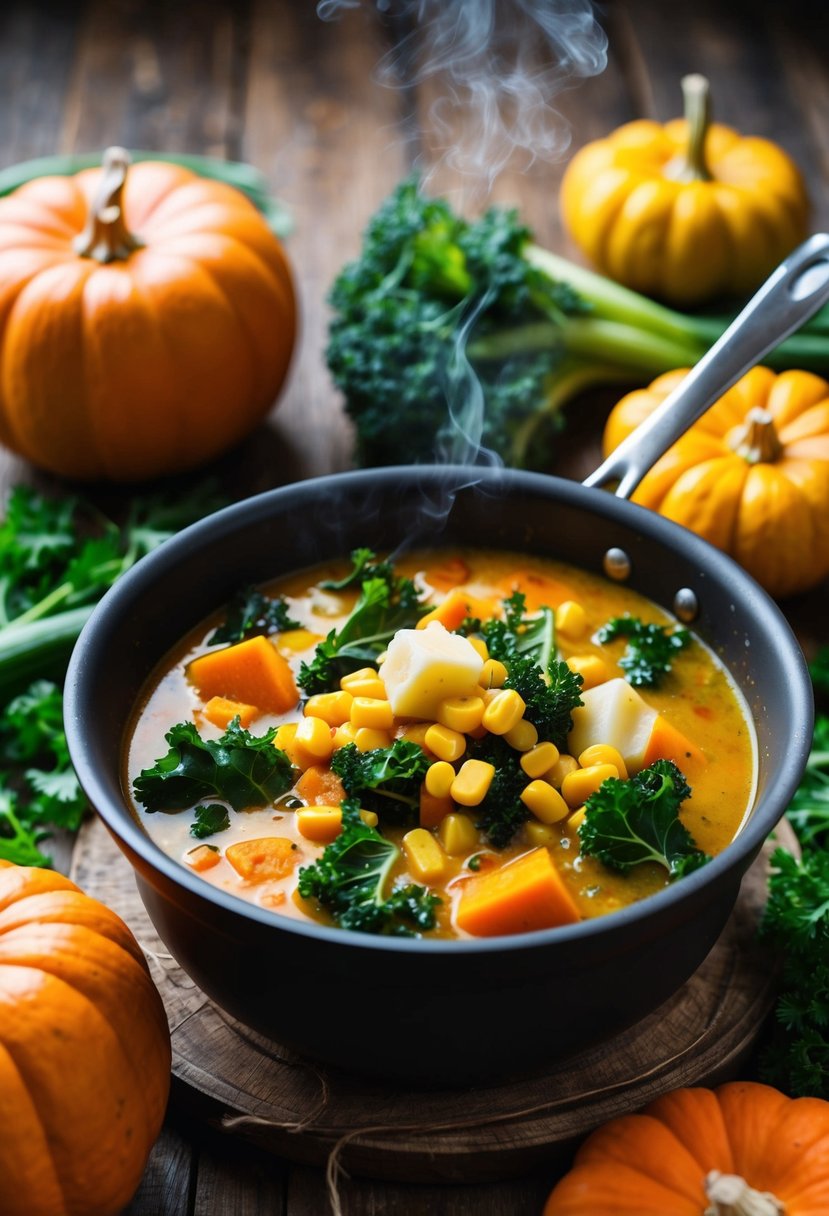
(203, 857)
(266, 858)
(252, 672)
(221, 712)
(455, 608)
(525, 894)
(668, 743)
(539, 590)
(449, 573)
(433, 809)
(318, 786)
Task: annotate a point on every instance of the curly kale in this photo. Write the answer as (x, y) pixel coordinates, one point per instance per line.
(650, 648)
(244, 770)
(351, 879)
(386, 780)
(386, 603)
(550, 701)
(251, 612)
(501, 813)
(630, 822)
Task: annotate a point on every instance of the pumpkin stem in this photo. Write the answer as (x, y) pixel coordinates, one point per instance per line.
(731, 1195)
(106, 237)
(757, 441)
(692, 166)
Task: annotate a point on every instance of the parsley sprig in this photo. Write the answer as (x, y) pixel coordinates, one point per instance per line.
(650, 649)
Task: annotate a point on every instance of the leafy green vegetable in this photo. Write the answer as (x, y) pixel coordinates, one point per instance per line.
(351, 877)
(251, 612)
(630, 822)
(796, 920)
(364, 565)
(650, 648)
(501, 813)
(209, 820)
(57, 558)
(384, 779)
(243, 769)
(386, 603)
(550, 700)
(38, 784)
(518, 634)
(809, 809)
(437, 306)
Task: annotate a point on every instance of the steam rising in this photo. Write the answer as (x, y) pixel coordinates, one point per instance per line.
(497, 67)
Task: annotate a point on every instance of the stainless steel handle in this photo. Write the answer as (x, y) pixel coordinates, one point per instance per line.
(791, 294)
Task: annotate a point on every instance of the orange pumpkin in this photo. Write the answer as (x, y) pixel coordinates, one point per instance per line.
(751, 476)
(84, 1051)
(741, 1150)
(147, 320)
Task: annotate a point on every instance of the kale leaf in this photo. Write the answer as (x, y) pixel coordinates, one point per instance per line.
(630, 822)
(386, 780)
(385, 605)
(251, 612)
(650, 648)
(243, 769)
(351, 877)
(550, 702)
(364, 565)
(519, 635)
(501, 813)
(209, 820)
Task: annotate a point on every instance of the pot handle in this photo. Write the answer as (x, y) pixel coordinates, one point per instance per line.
(791, 294)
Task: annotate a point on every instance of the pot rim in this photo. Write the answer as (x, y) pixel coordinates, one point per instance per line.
(766, 812)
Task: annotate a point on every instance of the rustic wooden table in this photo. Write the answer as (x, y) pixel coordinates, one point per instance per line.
(270, 82)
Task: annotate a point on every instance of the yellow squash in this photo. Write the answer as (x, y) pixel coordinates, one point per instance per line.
(751, 476)
(688, 211)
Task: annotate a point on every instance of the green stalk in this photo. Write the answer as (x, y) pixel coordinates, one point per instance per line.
(625, 345)
(38, 650)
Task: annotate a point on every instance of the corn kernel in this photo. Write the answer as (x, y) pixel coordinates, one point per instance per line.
(333, 707)
(322, 824)
(461, 713)
(577, 786)
(564, 765)
(372, 712)
(297, 640)
(424, 855)
(284, 734)
(416, 733)
(603, 753)
(523, 736)
(494, 674)
(285, 740)
(545, 802)
(504, 711)
(314, 736)
(445, 743)
(472, 783)
(480, 646)
(576, 820)
(539, 760)
(592, 669)
(458, 834)
(344, 735)
(439, 778)
(364, 683)
(539, 833)
(571, 620)
(367, 738)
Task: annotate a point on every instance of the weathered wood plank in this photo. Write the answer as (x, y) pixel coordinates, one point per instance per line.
(169, 1178)
(37, 48)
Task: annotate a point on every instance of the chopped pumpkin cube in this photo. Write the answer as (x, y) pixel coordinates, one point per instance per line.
(319, 786)
(525, 894)
(263, 859)
(203, 857)
(252, 671)
(221, 712)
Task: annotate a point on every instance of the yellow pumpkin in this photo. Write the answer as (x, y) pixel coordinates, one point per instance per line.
(84, 1051)
(743, 1149)
(751, 476)
(147, 320)
(688, 211)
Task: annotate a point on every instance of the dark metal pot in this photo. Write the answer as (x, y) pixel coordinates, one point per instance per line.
(432, 1012)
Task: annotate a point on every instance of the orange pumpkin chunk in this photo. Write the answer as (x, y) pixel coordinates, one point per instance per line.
(221, 712)
(457, 606)
(252, 672)
(264, 859)
(523, 895)
(318, 786)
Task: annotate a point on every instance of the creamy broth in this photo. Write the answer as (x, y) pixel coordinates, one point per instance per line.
(697, 697)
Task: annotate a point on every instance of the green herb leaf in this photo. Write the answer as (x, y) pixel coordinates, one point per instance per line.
(630, 822)
(209, 820)
(650, 648)
(501, 813)
(242, 769)
(550, 702)
(18, 842)
(384, 779)
(250, 613)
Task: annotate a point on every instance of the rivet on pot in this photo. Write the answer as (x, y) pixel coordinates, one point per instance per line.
(686, 605)
(617, 565)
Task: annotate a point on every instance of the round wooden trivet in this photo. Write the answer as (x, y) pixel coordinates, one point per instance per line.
(255, 1088)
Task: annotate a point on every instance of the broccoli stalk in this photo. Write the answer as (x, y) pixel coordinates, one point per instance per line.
(440, 313)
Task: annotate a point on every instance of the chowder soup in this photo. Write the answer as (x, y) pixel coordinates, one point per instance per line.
(402, 750)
